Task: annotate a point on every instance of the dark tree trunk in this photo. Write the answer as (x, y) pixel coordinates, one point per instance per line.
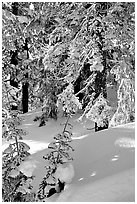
(25, 94)
(14, 61)
(14, 58)
(13, 82)
(25, 97)
(15, 11)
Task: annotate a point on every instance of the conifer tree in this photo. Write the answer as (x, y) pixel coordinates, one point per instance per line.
(84, 48)
(58, 156)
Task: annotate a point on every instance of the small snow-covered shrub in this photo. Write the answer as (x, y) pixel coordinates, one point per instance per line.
(49, 110)
(100, 112)
(126, 103)
(10, 123)
(16, 184)
(59, 170)
(70, 103)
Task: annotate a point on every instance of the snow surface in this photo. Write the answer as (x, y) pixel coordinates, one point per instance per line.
(65, 173)
(104, 162)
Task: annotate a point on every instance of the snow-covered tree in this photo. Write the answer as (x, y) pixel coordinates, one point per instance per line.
(100, 112)
(90, 42)
(59, 170)
(121, 39)
(64, 52)
(111, 44)
(16, 184)
(70, 103)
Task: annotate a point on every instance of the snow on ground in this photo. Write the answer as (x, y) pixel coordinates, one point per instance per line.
(115, 188)
(104, 161)
(35, 146)
(128, 125)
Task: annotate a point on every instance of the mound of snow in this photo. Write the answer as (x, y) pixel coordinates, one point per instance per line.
(27, 167)
(65, 172)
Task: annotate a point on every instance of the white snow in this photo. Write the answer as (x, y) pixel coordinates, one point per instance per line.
(27, 167)
(116, 188)
(80, 179)
(93, 173)
(79, 137)
(65, 173)
(125, 142)
(128, 125)
(104, 162)
(35, 146)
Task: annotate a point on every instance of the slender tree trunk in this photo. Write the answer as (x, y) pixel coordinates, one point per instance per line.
(13, 82)
(25, 97)
(14, 58)
(25, 85)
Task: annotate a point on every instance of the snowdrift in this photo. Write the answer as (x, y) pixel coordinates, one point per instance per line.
(104, 162)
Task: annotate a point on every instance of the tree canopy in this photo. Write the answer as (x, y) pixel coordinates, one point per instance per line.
(80, 45)
(68, 55)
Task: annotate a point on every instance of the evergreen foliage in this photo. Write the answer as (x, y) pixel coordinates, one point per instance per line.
(59, 149)
(16, 186)
(62, 53)
(59, 154)
(100, 34)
